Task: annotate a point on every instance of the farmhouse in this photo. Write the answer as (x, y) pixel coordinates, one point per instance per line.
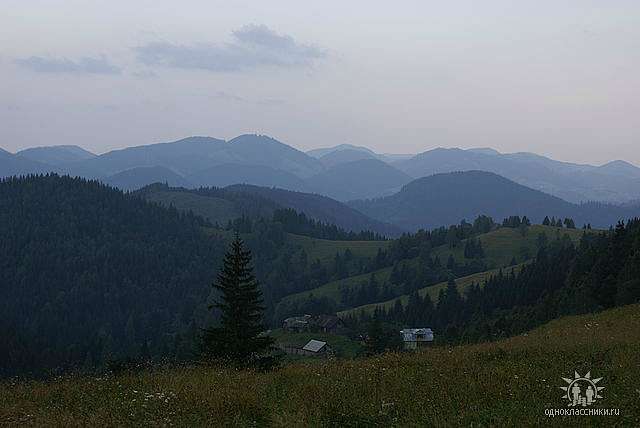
(415, 338)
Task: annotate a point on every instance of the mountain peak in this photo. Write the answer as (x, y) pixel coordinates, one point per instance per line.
(619, 163)
(253, 138)
(197, 139)
(620, 168)
(56, 155)
(485, 150)
(318, 153)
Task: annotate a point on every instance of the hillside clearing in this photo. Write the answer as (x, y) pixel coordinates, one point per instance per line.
(499, 246)
(325, 250)
(434, 290)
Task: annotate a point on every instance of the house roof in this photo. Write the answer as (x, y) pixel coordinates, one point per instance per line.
(329, 321)
(417, 334)
(314, 345)
(416, 330)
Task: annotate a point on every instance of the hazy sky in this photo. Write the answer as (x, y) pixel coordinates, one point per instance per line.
(559, 77)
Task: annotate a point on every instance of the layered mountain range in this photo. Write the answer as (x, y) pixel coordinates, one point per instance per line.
(379, 185)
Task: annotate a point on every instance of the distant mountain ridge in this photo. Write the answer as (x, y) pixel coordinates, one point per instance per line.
(343, 172)
(259, 175)
(347, 152)
(614, 182)
(338, 157)
(56, 155)
(11, 164)
(364, 178)
(136, 178)
(446, 198)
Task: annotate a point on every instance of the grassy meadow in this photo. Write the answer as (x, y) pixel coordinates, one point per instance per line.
(499, 246)
(325, 250)
(434, 290)
(505, 383)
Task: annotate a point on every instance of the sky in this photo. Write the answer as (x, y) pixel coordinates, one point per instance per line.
(559, 78)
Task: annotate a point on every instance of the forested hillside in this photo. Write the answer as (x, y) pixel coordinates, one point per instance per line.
(600, 272)
(427, 259)
(88, 274)
(219, 205)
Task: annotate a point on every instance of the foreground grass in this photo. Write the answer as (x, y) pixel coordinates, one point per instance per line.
(506, 383)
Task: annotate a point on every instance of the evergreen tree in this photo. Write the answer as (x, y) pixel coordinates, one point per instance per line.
(381, 337)
(376, 342)
(239, 338)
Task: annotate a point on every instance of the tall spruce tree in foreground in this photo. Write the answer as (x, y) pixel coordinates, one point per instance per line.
(239, 339)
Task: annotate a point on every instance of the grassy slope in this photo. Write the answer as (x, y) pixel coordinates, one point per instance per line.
(503, 244)
(505, 383)
(499, 247)
(325, 250)
(434, 290)
(221, 211)
(332, 289)
(320, 249)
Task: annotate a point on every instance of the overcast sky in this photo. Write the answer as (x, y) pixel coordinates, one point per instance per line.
(558, 77)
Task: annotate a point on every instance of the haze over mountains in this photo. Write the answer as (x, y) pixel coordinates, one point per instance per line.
(616, 181)
(533, 185)
(432, 201)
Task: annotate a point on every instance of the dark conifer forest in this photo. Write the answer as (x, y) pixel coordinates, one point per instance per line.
(88, 274)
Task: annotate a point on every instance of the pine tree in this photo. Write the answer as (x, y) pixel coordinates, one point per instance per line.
(239, 337)
(375, 343)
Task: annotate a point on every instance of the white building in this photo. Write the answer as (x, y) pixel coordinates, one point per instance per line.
(414, 338)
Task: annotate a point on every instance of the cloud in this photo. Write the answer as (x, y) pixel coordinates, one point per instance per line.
(84, 65)
(253, 46)
(145, 74)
